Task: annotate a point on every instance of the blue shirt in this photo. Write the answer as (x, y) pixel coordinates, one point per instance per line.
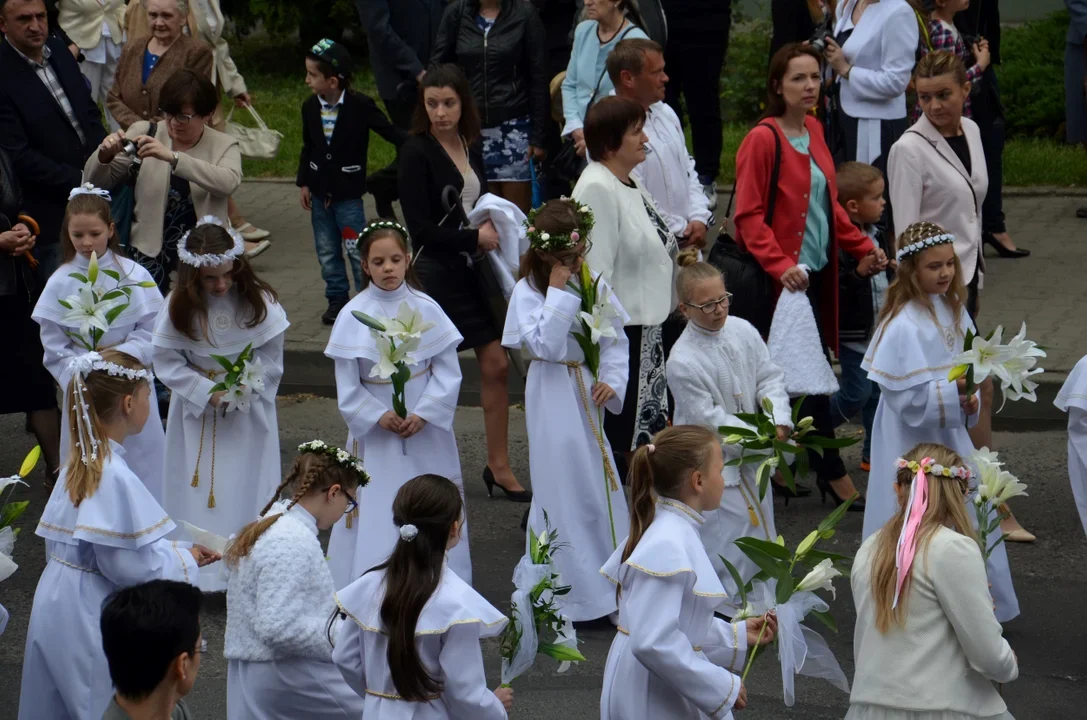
(587, 61)
(149, 63)
(813, 251)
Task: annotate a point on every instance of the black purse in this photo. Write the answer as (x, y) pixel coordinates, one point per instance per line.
(753, 290)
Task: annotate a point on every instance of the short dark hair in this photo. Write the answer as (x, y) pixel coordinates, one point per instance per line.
(450, 76)
(630, 55)
(326, 69)
(608, 121)
(144, 629)
(188, 87)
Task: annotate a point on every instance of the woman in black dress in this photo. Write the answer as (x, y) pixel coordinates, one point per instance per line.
(442, 160)
(28, 385)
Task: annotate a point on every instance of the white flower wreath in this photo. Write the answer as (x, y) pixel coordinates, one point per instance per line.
(925, 244)
(210, 259)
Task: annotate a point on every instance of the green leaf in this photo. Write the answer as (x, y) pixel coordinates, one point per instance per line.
(533, 545)
(112, 273)
(64, 304)
(770, 548)
(813, 448)
(113, 294)
(835, 516)
(12, 511)
(226, 363)
(802, 464)
(996, 542)
(816, 556)
(745, 460)
(767, 563)
(370, 322)
(785, 587)
(749, 418)
(562, 653)
(79, 276)
(787, 474)
(218, 387)
(826, 442)
(825, 618)
(784, 448)
(147, 284)
(762, 475)
(733, 430)
(796, 408)
(736, 578)
(114, 312)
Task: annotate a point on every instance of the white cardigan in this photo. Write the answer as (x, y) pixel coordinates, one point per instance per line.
(929, 182)
(951, 650)
(882, 51)
(627, 251)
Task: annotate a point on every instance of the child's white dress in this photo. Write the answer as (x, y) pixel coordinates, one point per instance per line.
(447, 637)
(713, 376)
(431, 393)
(279, 601)
(114, 539)
(1073, 399)
(573, 475)
(130, 332)
(221, 469)
(910, 357)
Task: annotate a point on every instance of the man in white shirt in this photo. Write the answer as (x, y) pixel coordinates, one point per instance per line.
(636, 68)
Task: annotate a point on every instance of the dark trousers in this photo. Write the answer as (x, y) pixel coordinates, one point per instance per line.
(693, 61)
(989, 115)
(383, 184)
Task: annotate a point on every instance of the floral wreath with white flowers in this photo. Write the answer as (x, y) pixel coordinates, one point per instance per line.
(384, 225)
(914, 248)
(343, 458)
(211, 259)
(549, 242)
(957, 471)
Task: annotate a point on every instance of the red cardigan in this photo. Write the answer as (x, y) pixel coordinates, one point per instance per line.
(777, 246)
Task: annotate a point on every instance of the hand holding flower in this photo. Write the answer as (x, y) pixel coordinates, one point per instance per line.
(761, 630)
(216, 398)
(783, 433)
(741, 699)
(411, 425)
(602, 393)
(391, 421)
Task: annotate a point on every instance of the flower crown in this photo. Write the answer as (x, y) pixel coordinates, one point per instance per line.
(914, 248)
(81, 366)
(89, 189)
(209, 259)
(931, 468)
(89, 362)
(384, 225)
(343, 458)
(549, 243)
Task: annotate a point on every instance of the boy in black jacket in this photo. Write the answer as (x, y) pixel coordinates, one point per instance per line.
(336, 125)
(861, 292)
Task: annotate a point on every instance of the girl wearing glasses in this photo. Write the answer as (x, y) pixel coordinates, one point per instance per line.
(280, 595)
(574, 480)
(719, 367)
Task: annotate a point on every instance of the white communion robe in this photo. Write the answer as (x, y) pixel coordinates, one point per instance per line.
(713, 376)
(114, 539)
(279, 601)
(573, 474)
(130, 332)
(447, 637)
(671, 658)
(431, 393)
(1073, 399)
(221, 470)
(910, 357)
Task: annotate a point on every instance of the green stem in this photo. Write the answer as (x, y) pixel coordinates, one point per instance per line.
(505, 685)
(754, 652)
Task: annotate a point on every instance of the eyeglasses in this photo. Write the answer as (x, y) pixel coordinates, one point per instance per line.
(710, 307)
(352, 503)
(179, 118)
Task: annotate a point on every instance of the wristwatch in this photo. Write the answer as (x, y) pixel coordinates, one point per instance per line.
(177, 156)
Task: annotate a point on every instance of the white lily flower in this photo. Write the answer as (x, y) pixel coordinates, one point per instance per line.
(87, 312)
(1019, 346)
(408, 323)
(747, 611)
(1026, 390)
(599, 322)
(985, 456)
(821, 578)
(253, 374)
(237, 398)
(984, 355)
(5, 483)
(391, 357)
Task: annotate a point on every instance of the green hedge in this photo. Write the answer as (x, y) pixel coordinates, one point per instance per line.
(1031, 77)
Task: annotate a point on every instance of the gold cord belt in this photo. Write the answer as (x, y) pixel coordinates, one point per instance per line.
(753, 503)
(210, 375)
(391, 696)
(620, 628)
(74, 566)
(379, 381)
(354, 514)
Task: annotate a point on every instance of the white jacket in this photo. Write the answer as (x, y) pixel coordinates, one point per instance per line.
(668, 172)
(280, 597)
(82, 20)
(882, 51)
(628, 251)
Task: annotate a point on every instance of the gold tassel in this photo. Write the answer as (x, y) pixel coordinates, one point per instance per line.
(351, 515)
(211, 499)
(752, 516)
(196, 478)
(199, 454)
(211, 495)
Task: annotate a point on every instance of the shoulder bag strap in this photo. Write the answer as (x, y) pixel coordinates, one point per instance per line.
(775, 171)
(592, 98)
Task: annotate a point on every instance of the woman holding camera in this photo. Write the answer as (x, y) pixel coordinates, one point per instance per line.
(184, 171)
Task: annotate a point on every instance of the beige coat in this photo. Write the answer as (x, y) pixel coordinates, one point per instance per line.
(929, 182)
(82, 20)
(213, 168)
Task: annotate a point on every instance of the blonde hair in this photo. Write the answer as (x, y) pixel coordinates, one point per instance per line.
(906, 286)
(310, 473)
(938, 63)
(692, 272)
(855, 179)
(103, 394)
(946, 508)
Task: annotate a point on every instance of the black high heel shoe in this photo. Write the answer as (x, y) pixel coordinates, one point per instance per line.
(518, 496)
(1001, 250)
(825, 488)
(785, 492)
(524, 520)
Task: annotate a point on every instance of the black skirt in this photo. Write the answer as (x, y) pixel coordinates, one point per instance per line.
(456, 287)
(28, 386)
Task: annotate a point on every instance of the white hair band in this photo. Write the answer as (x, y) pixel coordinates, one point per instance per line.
(914, 248)
(209, 259)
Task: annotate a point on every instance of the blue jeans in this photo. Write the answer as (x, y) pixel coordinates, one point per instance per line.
(328, 227)
(856, 394)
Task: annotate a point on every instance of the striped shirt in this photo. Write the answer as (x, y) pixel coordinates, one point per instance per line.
(329, 113)
(45, 73)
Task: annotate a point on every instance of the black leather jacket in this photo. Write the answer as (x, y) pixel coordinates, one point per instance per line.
(506, 68)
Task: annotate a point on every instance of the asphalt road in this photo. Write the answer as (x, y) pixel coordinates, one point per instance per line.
(1049, 637)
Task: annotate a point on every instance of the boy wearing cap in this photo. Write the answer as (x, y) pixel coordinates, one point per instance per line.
(336, 125)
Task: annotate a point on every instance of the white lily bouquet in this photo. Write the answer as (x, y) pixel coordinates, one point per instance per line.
(1013, 364)
(801, 650)
(534, 613)
(996, 486)
(396, 339)
(93, 309)
(244, 375)
(758, 443)
(10, 512)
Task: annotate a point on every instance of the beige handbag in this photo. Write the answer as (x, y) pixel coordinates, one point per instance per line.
(260, 142)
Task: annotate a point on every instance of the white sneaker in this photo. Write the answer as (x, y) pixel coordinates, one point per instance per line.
(255, 248)
(709, 190)
(251, 233)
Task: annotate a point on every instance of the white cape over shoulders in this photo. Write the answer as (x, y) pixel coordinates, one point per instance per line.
(1073, 399)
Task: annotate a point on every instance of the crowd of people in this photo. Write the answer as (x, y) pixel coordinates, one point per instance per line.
(857, 236)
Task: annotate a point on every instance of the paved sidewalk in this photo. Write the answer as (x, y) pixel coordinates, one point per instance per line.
(1048, 290)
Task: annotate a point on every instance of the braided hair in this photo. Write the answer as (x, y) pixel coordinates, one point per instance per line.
(906, 286)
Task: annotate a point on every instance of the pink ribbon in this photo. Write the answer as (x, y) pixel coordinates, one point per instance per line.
(907, 539)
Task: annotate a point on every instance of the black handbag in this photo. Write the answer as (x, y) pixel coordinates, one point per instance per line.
(753, 290)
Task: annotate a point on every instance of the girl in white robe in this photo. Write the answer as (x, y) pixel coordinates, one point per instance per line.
(574, 480)
(103, 531)
(222, 457)
(720, 366)
(88, 229)
(409, 629)
(394, 449)
(280, 595)
(1072, 399)
(922, 328)
(672, 658)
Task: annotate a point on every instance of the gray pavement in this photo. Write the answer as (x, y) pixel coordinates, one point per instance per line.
(1049, 578)
(1045, 290)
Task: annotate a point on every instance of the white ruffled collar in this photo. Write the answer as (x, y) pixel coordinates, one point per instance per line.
(227, 334)
(381, 295)
(300, 514)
